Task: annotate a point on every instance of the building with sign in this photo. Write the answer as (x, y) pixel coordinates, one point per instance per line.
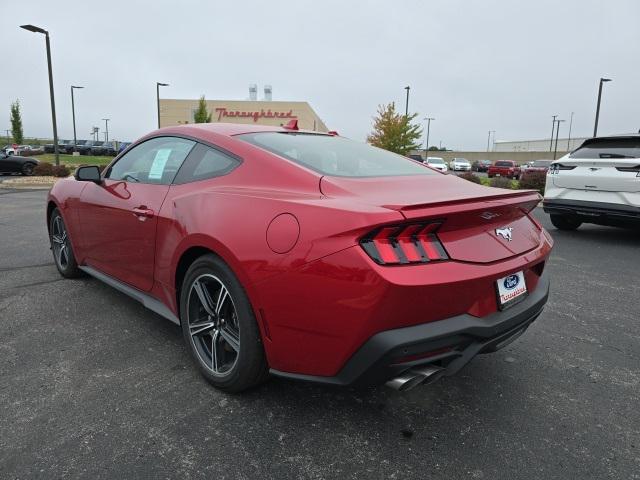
(259, 112)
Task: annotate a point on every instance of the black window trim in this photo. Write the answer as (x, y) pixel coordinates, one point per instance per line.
(132, 145)
(222, 151)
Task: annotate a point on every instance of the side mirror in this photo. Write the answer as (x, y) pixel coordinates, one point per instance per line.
(88, 174)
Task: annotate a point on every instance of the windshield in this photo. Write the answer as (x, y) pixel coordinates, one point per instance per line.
(435, 160)
(504, 164)
(609, 148)
(335, 156)
(541, 163)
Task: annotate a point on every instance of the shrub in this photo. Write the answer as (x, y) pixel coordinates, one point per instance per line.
(534, 181)
(60, 171)
(501, 182)
(44, 169)
(471, 177)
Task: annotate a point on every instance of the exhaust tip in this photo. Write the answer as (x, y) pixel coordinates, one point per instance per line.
(414, 377)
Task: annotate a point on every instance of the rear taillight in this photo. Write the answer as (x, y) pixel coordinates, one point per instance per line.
(404, 244)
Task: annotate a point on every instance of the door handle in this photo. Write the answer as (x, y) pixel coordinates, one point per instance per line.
(143, 212)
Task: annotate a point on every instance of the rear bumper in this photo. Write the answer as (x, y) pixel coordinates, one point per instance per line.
(450, 343)
(594, 212)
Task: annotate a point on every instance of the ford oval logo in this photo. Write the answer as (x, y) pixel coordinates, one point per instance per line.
(511, 282)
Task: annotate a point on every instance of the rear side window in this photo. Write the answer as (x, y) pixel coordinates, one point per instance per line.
(205, 162)
(155, 161)
(336, 156)
(609, 148)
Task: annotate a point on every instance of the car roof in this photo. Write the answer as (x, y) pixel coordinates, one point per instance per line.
(589, 141)
(226, 129)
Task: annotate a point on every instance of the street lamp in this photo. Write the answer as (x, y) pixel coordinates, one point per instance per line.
(595, 127)
(158, 85)
(33, 28)
(406, 107)
(555, 150)
(73, 114)
(553, 127)
(426, 150)
(106, 129)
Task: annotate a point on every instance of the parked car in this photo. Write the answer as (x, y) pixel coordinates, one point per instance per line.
(85, 149)
(437, 163)
(504, 168)
(305, 255)
(481, 165)
(70, 146)
(123, 146)
(597, 183)
(415, 156)
(539, 166)
(103, 149)
(48, 147)
(17, 164)
(460, 165)
(30, 150)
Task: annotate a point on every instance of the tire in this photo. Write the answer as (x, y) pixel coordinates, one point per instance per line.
(490, 176)
(61, 248)
(238, 361)
(27, 169)
(564, 222)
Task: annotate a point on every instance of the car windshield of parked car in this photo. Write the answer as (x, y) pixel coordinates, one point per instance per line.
(435, 160)
(504, 164)
(609, 148)
(541, 163)
(336, 156)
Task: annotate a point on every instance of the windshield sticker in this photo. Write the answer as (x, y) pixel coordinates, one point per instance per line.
(159, 162)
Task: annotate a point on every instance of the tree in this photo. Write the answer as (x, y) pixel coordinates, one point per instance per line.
(16, 123)
(393, 131)
(201, 115)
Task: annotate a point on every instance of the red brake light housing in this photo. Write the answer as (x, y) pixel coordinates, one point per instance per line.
(405, 244)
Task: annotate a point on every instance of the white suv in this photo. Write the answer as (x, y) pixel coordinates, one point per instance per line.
(597, 183)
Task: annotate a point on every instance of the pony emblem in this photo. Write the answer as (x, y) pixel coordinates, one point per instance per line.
(505, 233)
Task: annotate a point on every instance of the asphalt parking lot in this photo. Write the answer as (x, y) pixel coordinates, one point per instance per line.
(95, 386)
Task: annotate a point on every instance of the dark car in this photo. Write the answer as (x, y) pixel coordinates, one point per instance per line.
(416, 157)
(70, 147)
(481, 165)
(17, 164)
(102, 148)
(504, 168)
(86, 148)
(62, 144)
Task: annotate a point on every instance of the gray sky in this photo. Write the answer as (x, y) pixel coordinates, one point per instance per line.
(503, 65)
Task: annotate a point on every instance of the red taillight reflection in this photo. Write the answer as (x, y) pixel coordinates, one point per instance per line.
(404, 244)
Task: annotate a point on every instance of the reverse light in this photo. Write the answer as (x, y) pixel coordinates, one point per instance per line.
(404, 244)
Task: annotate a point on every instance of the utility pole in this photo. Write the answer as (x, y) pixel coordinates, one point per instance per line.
(553, 127)
(595, 126)
(426, 149)
(569, 139)
(106, 129)
(406, 107)
(555, 151)
(158, 85)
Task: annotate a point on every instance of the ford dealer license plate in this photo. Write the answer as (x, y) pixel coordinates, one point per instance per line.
(511, 290)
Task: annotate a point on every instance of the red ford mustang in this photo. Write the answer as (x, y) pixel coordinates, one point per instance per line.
(305, 255)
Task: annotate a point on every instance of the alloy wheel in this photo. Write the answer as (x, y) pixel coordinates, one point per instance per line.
(60, 243)
(213, 324)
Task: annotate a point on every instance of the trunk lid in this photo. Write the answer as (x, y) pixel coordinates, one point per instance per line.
(601, 174)
(470, 213)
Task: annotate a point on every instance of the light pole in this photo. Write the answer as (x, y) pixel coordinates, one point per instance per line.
(553, 127)
(426, 150)
(406, 107)
(73, 114)
(158, 85)
(33, 28)
(595, 127)
(569, 139)
(489, 138)
(555, 150)
(106, 129)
